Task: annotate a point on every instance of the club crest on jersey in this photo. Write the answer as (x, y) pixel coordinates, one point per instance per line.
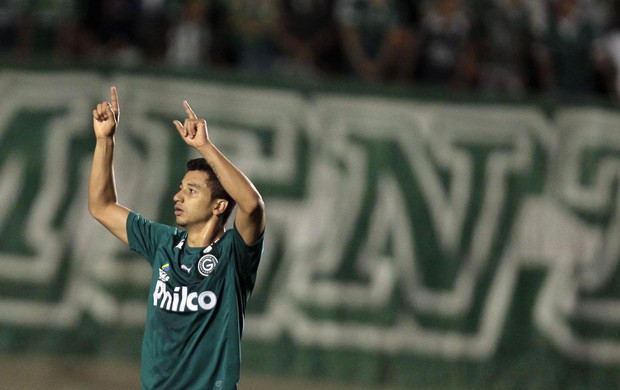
(207, 264)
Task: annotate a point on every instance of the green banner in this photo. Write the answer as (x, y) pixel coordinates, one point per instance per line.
(410, 243)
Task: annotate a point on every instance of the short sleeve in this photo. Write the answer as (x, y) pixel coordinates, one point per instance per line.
(145, 236)
(248, 256)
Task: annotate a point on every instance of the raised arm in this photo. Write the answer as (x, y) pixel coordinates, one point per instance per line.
(250, 216)
(102, 203)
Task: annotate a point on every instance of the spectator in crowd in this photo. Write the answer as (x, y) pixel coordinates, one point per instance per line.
(253, 24)
(565, 53)
(116, 25)
(223, 51)
(50, 28)
(10, 14)
(539, 15)
(512, 47)
(504, 42)
(597, 12)
(373, 37)
(444, 52)
(153, 26)
(190, 38)
(307, 36)
(608, 55)
(409, 15)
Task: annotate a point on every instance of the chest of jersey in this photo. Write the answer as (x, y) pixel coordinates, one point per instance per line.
(187, 279)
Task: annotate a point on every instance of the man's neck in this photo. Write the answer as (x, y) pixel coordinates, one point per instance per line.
(199, 238)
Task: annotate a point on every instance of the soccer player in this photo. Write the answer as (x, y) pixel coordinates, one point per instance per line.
(202, 275)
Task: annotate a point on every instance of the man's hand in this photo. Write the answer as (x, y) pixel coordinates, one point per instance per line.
(106, 116)
(193, 131)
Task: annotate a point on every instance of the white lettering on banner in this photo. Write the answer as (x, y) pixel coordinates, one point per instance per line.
(432, 137)
(179, 300)
(568, 226)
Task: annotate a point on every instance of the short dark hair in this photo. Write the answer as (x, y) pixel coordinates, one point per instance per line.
(217, 190)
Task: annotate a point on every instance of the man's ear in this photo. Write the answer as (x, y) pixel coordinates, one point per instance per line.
(220, 206)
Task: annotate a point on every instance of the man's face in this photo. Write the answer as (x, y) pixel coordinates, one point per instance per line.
(193, 202)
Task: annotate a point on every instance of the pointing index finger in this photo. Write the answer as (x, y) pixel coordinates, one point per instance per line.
(114, 98)
(189, 111)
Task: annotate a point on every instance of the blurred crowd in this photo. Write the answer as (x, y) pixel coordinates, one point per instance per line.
(501, 47)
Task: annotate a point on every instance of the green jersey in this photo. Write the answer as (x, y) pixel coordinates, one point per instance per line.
(196, 306)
